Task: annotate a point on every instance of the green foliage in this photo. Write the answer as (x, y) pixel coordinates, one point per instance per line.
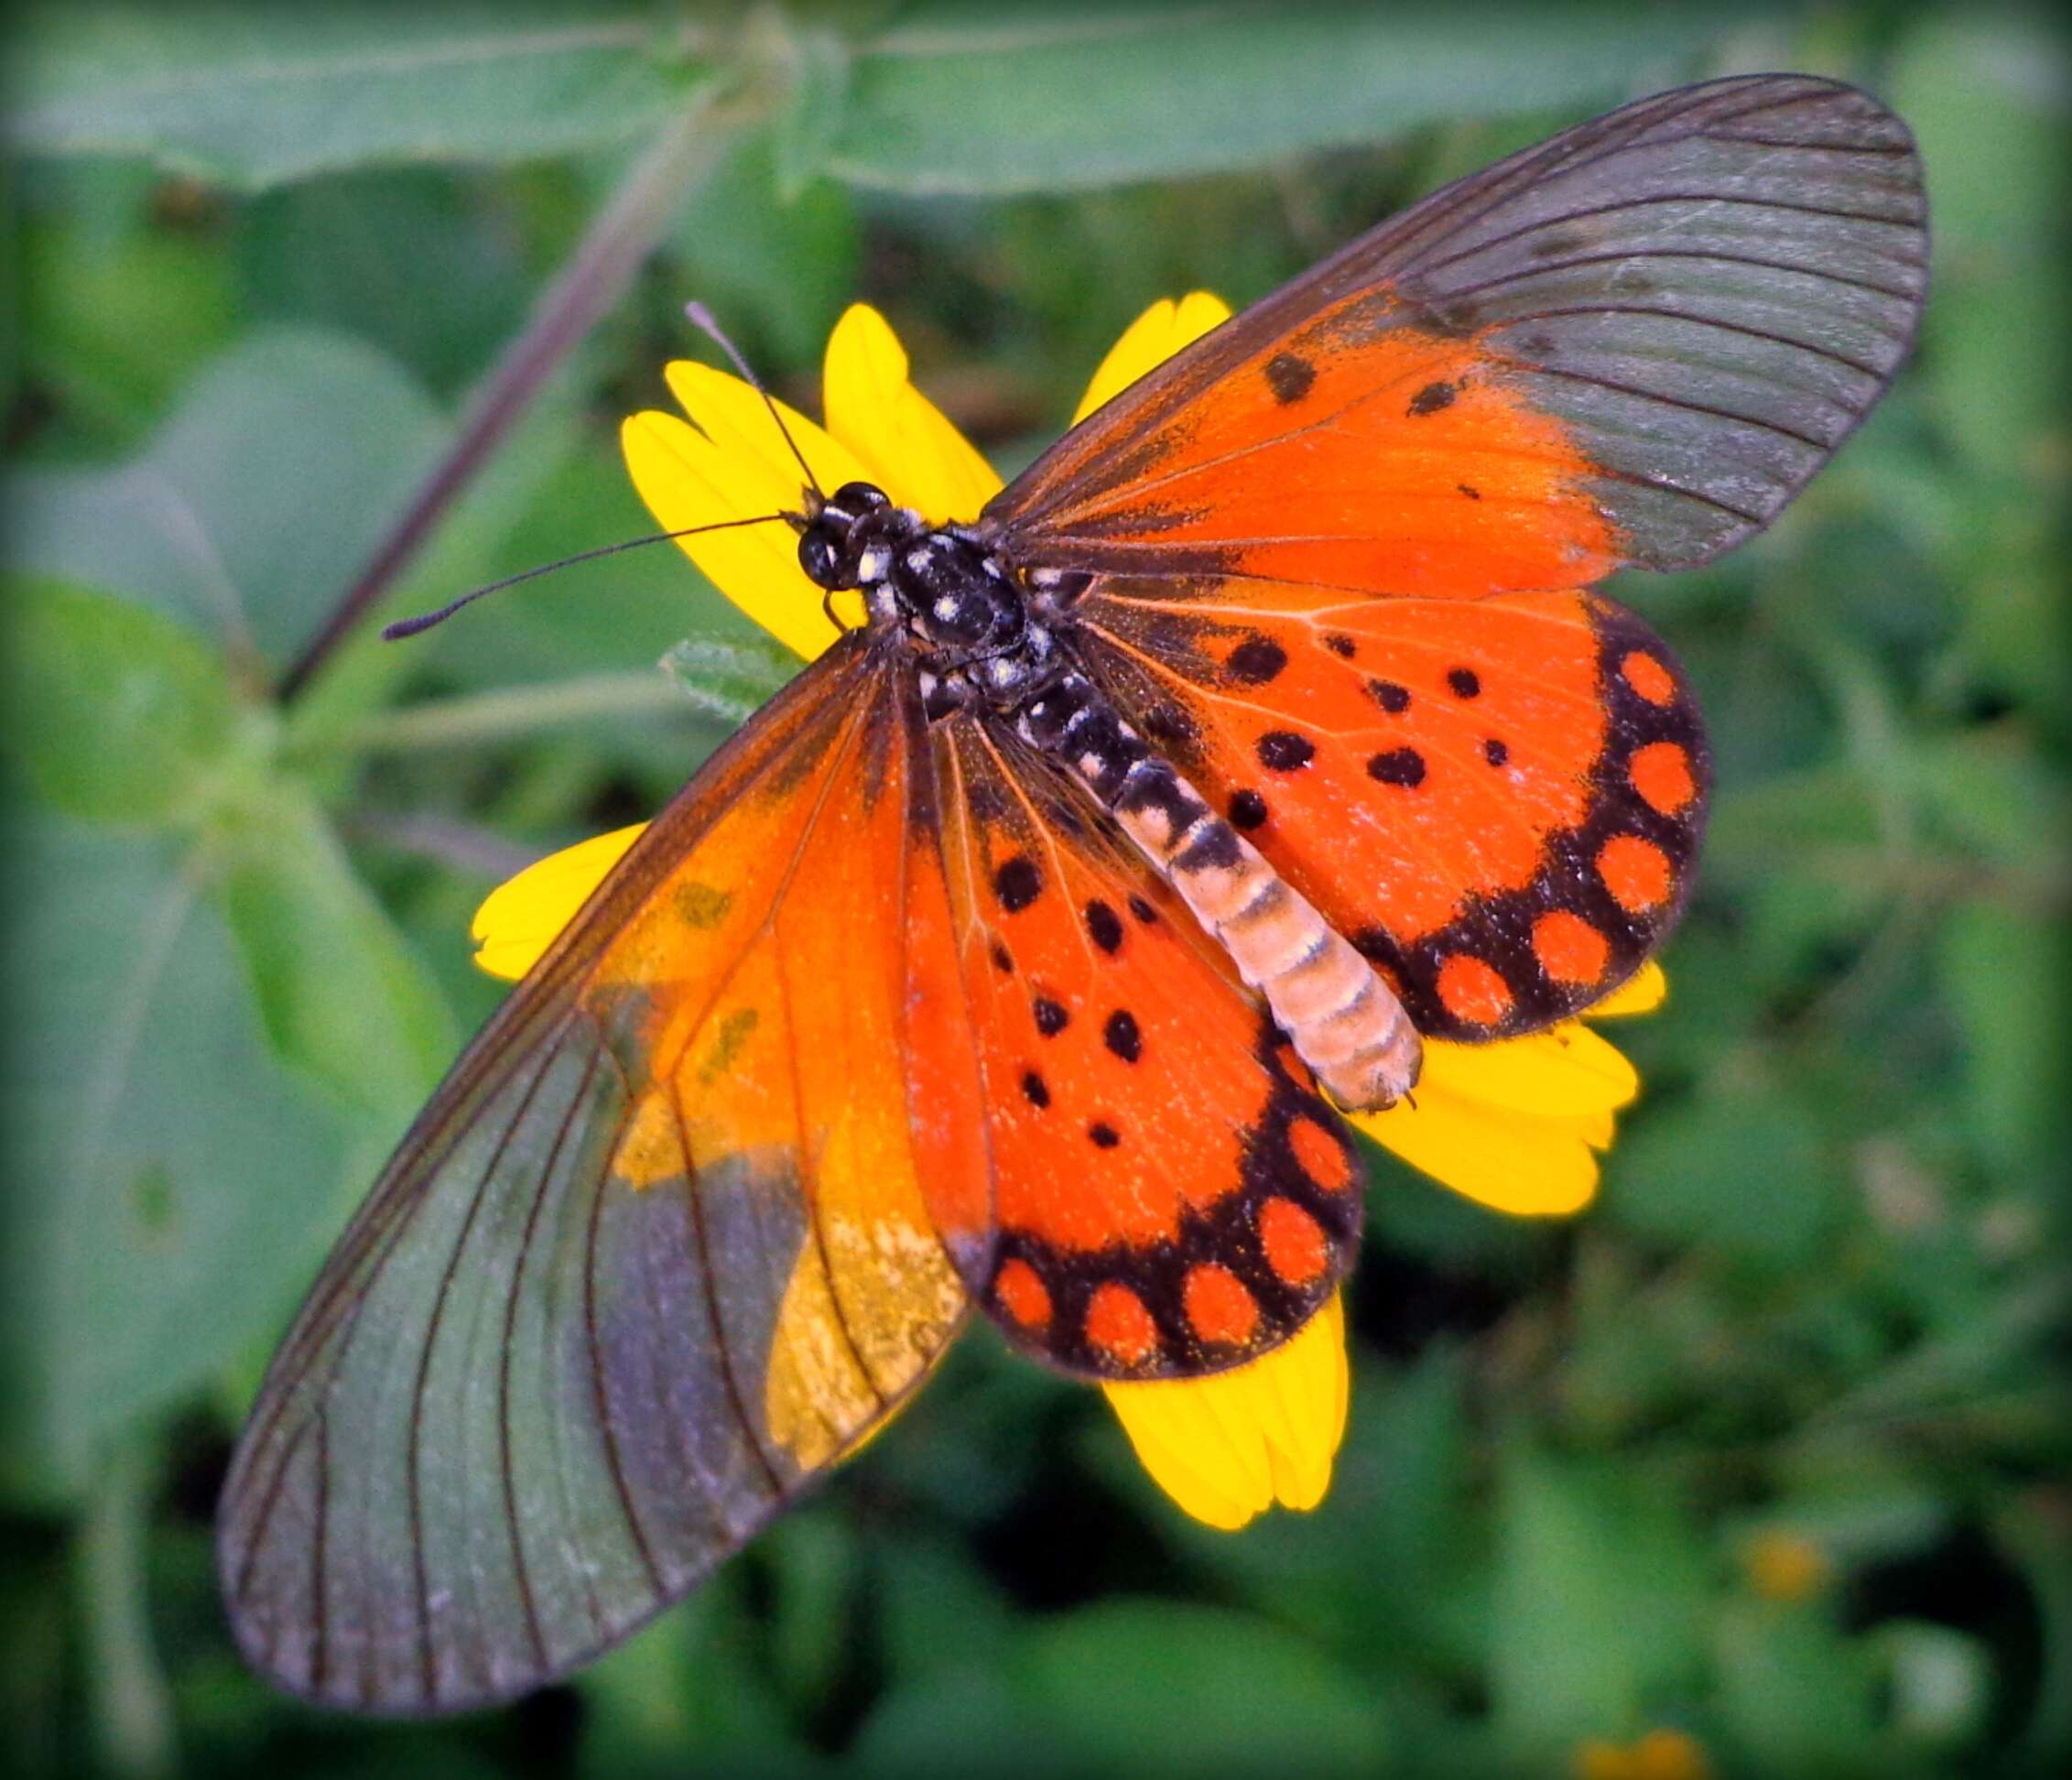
(267, 254)
(117, 714)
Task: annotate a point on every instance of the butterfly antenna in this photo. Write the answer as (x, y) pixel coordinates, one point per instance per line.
(404, 627)
(701, 318)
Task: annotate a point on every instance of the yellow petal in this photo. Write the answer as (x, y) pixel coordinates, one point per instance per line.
(1511, 1161)
(521, 916)
(1642, 993)
(1567, 1071)
(1148, 342)
(732, 463)
(1228, 1447)
(906, 444)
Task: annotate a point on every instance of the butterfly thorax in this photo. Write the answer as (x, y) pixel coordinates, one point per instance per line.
(978, 637)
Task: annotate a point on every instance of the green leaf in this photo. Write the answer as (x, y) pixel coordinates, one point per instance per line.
(410, 259)
(1163, 1688)
(115, 712)
(773, 252)
(967, 96)
(728, 679)
(166, 1180)
(1996, 135)
(254, 95)
(344, 1000)
(1796, 1695)
(2005, 973)
(257, 499)
(1746, 1174)
(1600, 1590)
(117, 309)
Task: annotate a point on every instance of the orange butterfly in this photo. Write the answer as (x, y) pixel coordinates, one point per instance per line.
(1022, 950)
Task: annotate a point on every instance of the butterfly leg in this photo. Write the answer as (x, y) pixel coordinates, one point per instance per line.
(1345, 1023)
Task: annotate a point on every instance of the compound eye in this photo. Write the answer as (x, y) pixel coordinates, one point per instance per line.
(860, 498)
(817, 556)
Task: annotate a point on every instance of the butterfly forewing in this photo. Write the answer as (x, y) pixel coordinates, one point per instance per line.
(1629, 345)
(658, 1252)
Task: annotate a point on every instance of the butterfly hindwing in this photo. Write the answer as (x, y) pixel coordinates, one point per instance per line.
(1499, 801)
(1631, 344)
(660, 1249)
(1172, 1195)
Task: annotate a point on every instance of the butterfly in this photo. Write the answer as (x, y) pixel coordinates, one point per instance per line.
(1022, 950)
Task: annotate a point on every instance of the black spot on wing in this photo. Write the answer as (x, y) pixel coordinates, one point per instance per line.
(1257, 660)
(1433, 397)
(1105, 926)
(1017, 883)
(1248, 808)
(1404, 766)
(1289, 375)
(1123, 1037)
(1283, 751)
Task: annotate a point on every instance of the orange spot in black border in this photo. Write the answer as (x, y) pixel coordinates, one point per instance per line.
(1319, 1155)
(1648, 677)
(1119, 1326)
(1022, 1294)
(1218, 1307)
(1294, 1243)
(1661, 773)
(1635, 872)
(1569, 947)
(1473, 989)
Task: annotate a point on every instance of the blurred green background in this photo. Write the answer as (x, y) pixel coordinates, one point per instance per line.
(1768, 1451)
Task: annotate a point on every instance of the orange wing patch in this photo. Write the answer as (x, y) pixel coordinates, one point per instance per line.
(1498, 800)
(1359, 452)
(1171, 1195)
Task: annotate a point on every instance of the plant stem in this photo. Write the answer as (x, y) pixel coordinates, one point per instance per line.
(474, 718)
(622, 234)
(131, 1706)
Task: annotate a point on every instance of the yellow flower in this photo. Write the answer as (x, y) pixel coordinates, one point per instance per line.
(1786, 1566)
(1515, 1125)
(1660, 1754)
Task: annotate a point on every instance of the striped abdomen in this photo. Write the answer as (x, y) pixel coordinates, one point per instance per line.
(1343, 1019)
